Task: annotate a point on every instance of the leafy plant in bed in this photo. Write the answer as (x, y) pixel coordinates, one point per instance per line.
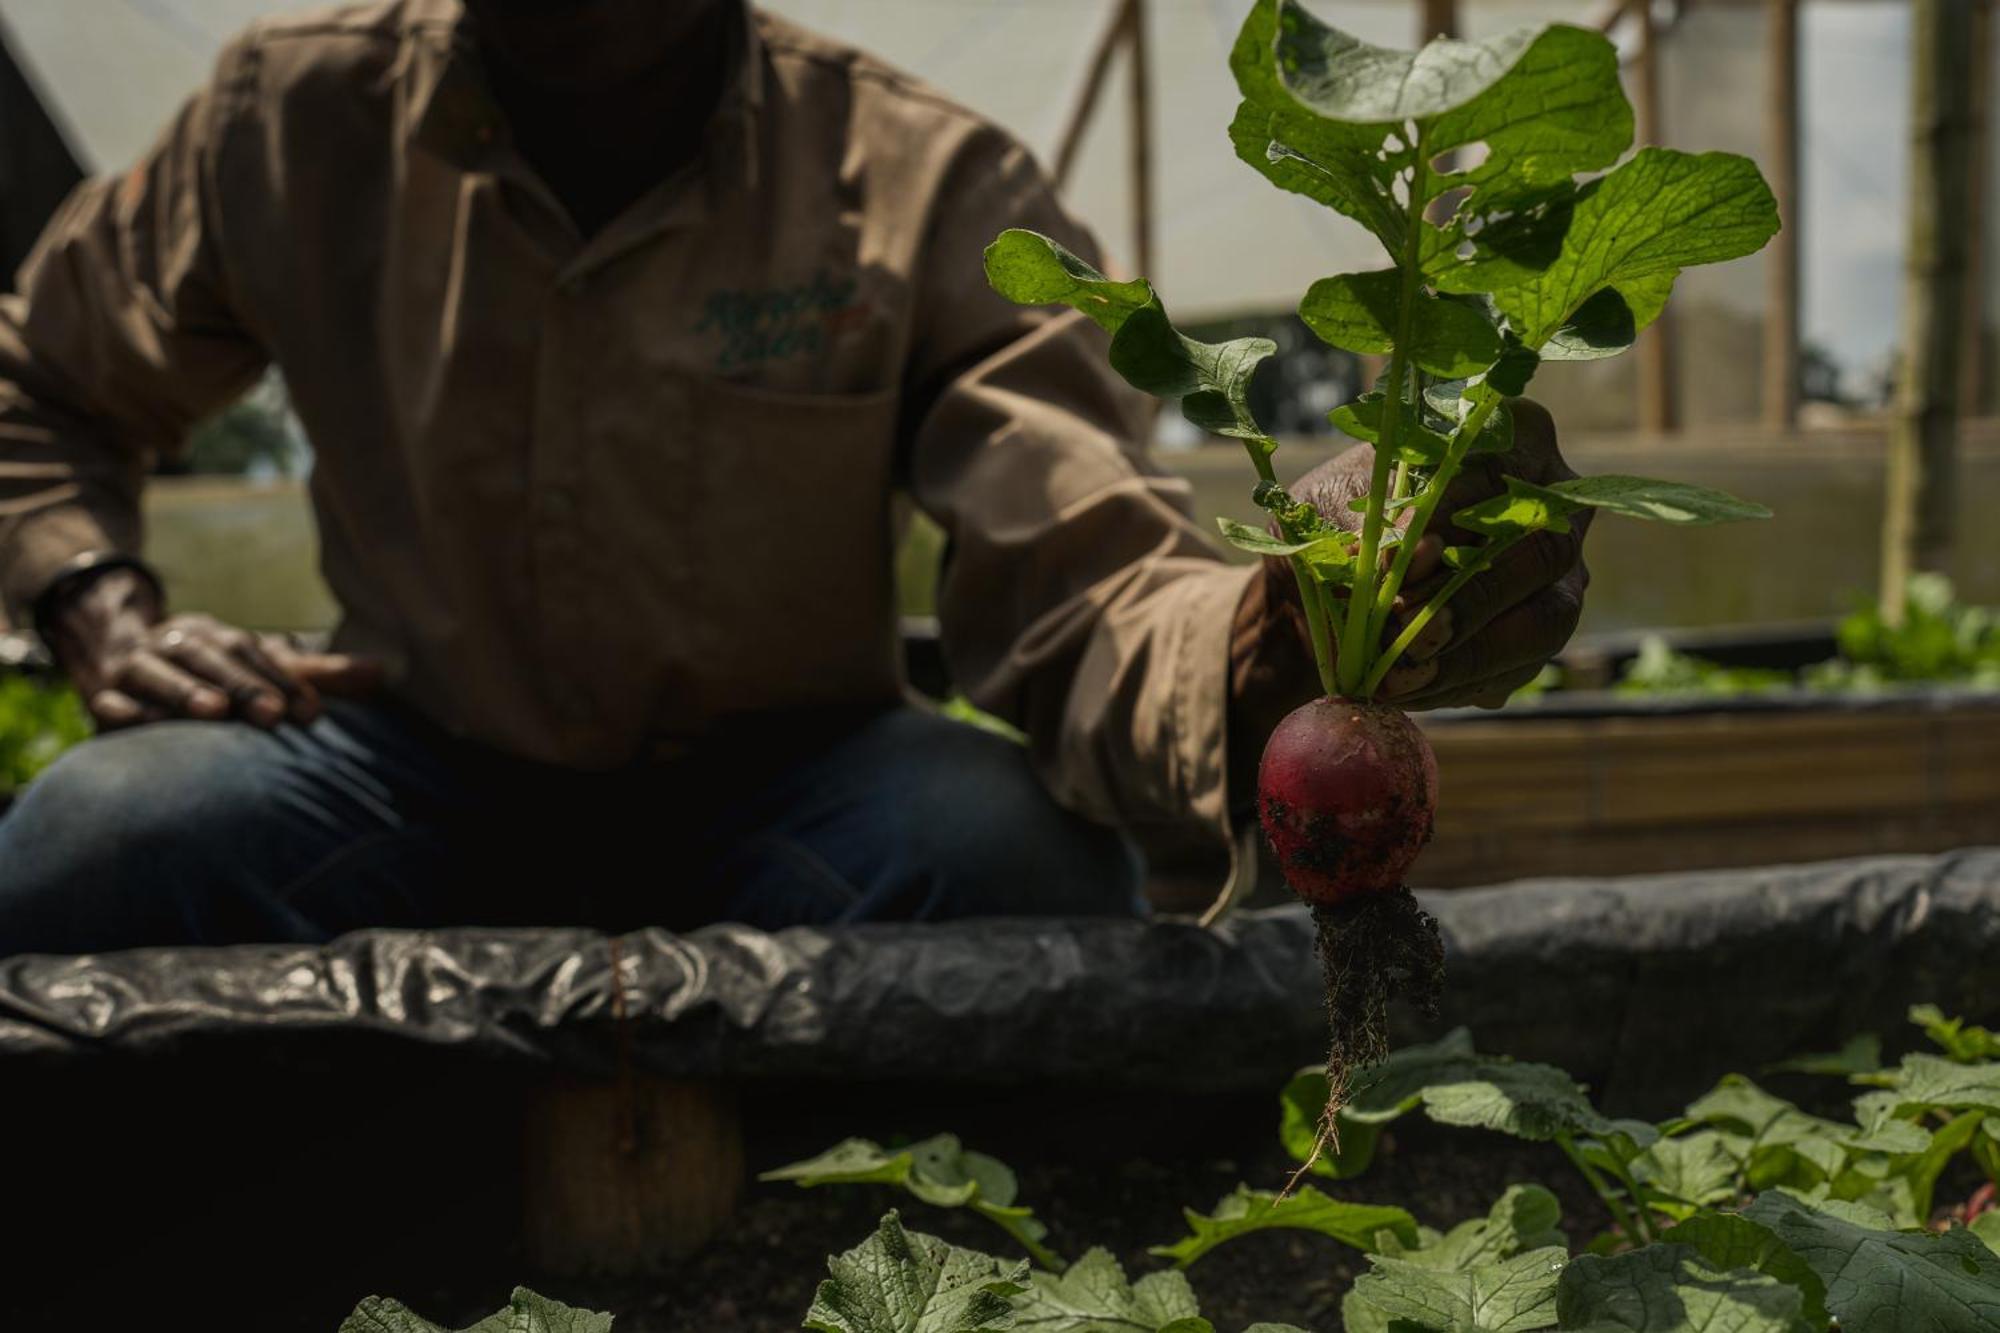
(1744, 1214)
(1938, 641)
(1471, 163)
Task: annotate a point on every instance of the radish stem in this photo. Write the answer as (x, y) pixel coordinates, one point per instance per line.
(1428, 502)
(1362, 632)
(1479, 564)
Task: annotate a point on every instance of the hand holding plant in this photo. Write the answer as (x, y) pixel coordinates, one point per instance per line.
(1463, 160)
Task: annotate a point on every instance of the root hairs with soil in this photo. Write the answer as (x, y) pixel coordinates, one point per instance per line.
(1373, 948)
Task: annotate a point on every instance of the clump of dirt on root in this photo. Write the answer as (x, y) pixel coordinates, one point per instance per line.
(1373, 948)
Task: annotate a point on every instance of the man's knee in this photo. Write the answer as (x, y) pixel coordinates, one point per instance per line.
(125, 838)
(995, 841)
(144, 787)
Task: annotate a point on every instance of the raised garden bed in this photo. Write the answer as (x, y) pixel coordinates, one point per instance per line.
(300, 1127)
(1596, 783)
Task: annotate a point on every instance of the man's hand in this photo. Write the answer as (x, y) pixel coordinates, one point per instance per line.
(132, 666)
(1499, 630)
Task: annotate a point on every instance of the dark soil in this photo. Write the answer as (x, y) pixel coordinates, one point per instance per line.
(1091, 1178)
(272, 1199)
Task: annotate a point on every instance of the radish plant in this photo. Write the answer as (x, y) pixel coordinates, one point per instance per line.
(1744, 1213)
(1474, 164)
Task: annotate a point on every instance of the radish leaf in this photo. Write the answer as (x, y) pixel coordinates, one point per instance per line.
(1524, 1218)
(1602, 326)
(1673, 1289)
(1959, 1041)
(525, 1313)
(938, 1171)
(1259, 542)
(1733, 1241)
(900, 1281)
(1359, 312)
(1306, 1209)
(1093, 1296)
(1510, 1296)
(1632, 230)
(1664, 501)
(1931, 1081)
(1695, 1169)
(1498, 260)
(1861, 1054)
(1212, 378)
(1883, 1281)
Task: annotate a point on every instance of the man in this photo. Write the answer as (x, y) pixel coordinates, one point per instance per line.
(617, 325)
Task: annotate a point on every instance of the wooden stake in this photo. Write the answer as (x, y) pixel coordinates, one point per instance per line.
(620, 1175)
(1142, 138)
(1656, 344)
(1976, 345)
(1923, 447)
(1116, 21)
(1437, 18)
(1781, 259)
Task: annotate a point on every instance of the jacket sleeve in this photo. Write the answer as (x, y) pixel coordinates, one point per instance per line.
(119, 336)
(1078, 600)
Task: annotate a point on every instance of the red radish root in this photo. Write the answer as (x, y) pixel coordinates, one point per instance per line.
(1346, 793)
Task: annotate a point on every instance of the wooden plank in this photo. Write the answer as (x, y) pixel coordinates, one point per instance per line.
(1744, 766)
(1501, 776)
(1632, 794)
(1968, 758)
(621, 1175)
(1496, 857)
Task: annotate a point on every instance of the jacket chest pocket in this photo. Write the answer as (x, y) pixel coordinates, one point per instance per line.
(793, 539)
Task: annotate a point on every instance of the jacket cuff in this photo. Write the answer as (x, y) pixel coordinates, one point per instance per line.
(78, 573)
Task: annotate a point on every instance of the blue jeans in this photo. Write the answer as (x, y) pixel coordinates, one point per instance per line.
(217, 833)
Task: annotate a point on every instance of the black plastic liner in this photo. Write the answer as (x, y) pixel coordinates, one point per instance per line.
(1646, 987)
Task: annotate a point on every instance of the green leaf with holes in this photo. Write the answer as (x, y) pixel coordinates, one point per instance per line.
(1631, 231)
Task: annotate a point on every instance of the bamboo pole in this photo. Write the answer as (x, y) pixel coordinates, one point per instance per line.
(1142, 136)
(1109, 37)
(1656, 344)
(1781, 260)
(1923, 448)
(1977, 343)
